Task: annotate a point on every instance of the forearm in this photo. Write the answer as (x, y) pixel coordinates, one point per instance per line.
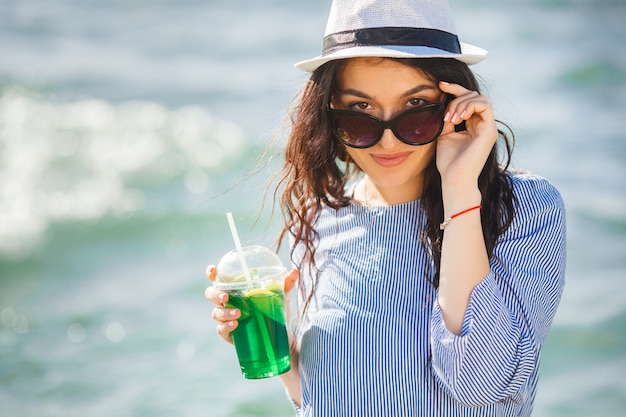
(510, 310)
(464, 260)
(291, 380)
(495, 356)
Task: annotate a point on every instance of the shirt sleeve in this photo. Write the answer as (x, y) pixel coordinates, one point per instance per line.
(296, 408)
(511, 309)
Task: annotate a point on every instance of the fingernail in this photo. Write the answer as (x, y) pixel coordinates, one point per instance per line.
(231, 324)
(233, 312)
(446, 118)
(463, 113)
(454, 117)
(444, 82)
(221, 296)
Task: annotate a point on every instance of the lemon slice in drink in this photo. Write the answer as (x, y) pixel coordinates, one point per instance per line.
(267, 302)
(259, 292)
(274, 286)
(242, 277)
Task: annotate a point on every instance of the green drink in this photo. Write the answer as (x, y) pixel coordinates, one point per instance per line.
(261, 337)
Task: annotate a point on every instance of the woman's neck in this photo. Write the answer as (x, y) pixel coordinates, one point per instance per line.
(369, 194)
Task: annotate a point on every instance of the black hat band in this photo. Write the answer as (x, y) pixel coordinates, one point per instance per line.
(392, 36)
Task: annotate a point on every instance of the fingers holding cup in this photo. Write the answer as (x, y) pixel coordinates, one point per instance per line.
(211, 272)
(226, 322)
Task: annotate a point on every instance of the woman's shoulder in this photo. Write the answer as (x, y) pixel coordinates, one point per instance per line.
(534, 194)
(529, 185)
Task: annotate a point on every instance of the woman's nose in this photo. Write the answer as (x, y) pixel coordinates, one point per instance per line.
(388, 140)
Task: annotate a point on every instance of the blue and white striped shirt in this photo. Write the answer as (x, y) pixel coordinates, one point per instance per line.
(374, 343)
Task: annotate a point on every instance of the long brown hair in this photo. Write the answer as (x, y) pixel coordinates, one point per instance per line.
(317, 167)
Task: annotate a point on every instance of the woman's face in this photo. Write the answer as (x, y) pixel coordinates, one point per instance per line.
(385, 88)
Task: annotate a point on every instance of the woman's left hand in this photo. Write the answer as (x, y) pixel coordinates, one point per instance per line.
(461, 156)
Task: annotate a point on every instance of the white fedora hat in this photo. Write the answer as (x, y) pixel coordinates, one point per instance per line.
(392, 29)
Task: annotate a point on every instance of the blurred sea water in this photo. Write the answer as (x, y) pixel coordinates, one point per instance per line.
(124, 125)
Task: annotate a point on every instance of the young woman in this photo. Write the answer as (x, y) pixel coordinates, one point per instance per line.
(429, 273)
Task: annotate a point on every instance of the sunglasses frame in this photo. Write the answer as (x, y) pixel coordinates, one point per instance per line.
(389, 124)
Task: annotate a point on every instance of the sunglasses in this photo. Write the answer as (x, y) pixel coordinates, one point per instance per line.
(414, 127)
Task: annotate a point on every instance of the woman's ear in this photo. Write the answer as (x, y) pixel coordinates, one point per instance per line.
(331, 103)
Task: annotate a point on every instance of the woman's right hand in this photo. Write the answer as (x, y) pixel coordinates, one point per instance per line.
(227, 318)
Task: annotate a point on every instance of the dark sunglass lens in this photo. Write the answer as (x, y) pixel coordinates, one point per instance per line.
(356, 130)
(419, 127)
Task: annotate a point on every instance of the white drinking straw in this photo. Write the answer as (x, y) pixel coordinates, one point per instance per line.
(242, 259)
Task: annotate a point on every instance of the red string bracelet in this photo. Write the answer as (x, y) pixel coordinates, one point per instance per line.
(443, 225)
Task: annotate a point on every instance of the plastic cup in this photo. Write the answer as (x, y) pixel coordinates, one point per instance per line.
(261, 336)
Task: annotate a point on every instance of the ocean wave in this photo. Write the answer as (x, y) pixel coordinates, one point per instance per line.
(83, 160)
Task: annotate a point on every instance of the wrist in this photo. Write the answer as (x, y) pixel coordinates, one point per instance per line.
(458, 198)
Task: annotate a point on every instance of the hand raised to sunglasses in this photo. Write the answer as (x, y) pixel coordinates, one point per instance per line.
(462, 155)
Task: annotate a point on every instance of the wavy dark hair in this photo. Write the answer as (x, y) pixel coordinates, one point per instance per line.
(317, 167)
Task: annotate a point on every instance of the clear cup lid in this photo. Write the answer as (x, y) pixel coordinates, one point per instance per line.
(263, 265)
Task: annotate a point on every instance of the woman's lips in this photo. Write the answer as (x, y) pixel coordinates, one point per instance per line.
(390, 160)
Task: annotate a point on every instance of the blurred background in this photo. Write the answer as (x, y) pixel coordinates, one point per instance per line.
(128, 128)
